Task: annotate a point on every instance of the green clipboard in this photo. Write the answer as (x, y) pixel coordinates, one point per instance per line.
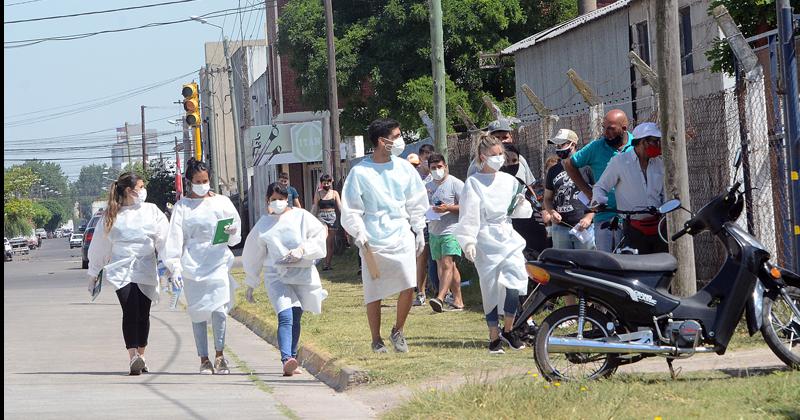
(220, 237)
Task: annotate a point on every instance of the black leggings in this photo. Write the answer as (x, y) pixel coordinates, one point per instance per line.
(135, 315)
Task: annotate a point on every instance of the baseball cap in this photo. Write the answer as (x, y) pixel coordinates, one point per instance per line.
(499, 125)
(648, 129)
(563, 137)
(413, 159)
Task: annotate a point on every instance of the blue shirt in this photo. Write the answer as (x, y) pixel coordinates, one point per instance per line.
(292, 195)
(596, 155)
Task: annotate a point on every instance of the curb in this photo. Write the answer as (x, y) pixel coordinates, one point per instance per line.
(319, 364)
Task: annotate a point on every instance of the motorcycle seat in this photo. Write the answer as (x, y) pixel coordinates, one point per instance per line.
(606, 261)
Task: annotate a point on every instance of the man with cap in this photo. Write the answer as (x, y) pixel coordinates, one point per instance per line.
(501, 130)
(563, 208)
(616, 139)
(637, 176)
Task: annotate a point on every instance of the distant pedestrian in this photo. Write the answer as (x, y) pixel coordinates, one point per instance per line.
(383, 208)
(487, 203)
(294, 196)
(616, 139)
(425, 152)
(326, 203)
(283, 245)
(124, 247)
(201, 265)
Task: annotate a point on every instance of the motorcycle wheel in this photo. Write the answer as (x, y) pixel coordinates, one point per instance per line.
(781, 329)
(573, 366)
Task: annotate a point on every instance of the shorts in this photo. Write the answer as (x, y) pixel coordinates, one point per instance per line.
(443, 245)
(328, 217)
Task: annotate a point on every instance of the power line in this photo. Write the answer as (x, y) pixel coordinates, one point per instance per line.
(78, 136)
(28, 42)
(20, 2)
(97, 12)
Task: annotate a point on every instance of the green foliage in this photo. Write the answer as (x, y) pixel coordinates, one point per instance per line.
(92, 185)
(383, 53)
(18, 213)
(17, 182)
(50, 175)
(60, 211)
(161, 185)
(41, 215)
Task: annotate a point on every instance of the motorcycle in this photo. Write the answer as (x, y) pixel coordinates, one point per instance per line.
(625, 312)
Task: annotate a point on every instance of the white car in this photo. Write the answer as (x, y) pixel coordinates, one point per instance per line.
(9, 251)
(76, 240)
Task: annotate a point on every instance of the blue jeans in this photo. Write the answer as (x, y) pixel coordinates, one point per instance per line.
(509, 307)
(289, 332)
(201, 333)
(562, 239)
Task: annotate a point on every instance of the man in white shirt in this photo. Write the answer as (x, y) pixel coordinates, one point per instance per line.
(637, 176)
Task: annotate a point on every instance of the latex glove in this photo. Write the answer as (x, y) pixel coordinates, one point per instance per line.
(469, 252)
(91, 284)
(177, 281)
(231, 229)
(360, 240)
(249, 295)
(294, 255)
(420, 243)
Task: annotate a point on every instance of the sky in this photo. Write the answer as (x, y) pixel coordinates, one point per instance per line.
(64, 99)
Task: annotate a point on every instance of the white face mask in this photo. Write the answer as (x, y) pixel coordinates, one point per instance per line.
(278, 206)
(138, 198)
(397, 147)
(495, 162)
(201, 189)
(438, 174)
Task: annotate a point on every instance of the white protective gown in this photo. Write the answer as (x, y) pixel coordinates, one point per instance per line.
(483, 222)
(386, 201)
(287, 285)
(205, 268)
(127, 253)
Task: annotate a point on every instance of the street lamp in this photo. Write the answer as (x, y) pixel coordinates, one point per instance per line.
(240, 161)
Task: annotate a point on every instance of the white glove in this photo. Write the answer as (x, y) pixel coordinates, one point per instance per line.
(231, 229)
(177, 281)
(522, 209)
(360, 240)
(469, 252)
(249, 295)
(92, 283)
(420, 243)
(294, 255)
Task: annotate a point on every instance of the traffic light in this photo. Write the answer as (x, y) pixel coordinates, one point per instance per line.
(191, 103)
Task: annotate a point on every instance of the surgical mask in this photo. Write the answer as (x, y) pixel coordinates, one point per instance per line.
(510, 169)
(652, 151)
(495, 162)
(563, 154)
(438, 174)
(615, 142)
(139, 197)
(201, 189)
(278, 206)
(397, 146)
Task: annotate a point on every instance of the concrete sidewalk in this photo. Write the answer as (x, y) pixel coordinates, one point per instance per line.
(65, 358)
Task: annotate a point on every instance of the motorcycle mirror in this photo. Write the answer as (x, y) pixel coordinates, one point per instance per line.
(669, 206)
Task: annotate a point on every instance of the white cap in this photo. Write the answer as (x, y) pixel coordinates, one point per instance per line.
(648, 129)
(563, 137)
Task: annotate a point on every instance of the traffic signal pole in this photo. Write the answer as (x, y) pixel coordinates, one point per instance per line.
(236, 127)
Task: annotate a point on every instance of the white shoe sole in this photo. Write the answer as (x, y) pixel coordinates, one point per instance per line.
(136, 366)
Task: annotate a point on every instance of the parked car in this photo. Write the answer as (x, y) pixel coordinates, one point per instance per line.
(41, 233)
(19, 245)
(87, 237)
(9, 252)
(75, 240)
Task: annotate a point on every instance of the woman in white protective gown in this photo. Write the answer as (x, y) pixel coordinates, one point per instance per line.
(202, 266)
(488, 202)
(283, 245)
(124, 246)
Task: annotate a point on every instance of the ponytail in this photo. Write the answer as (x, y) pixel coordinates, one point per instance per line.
(116, 196)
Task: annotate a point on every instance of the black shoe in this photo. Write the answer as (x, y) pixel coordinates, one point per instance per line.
(496, 347)
(436, 304)
(512, 340)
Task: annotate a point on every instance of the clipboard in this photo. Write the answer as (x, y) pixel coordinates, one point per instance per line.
(98, 286)
(372, 265)
(220, 237)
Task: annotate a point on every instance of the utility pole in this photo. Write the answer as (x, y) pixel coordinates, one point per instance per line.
(144, 141)
(128, 142)
(670, 109)
(437, 62)
(332, 162)
(211, 132)
(791, 114)
(235, 114)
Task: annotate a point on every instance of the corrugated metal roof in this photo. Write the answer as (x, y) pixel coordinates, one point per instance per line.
(566, 26)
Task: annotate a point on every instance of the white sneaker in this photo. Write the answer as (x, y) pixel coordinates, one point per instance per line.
(137, 364)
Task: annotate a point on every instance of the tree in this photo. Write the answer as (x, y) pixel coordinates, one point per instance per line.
(383, 52)
(18, 213)
(92, 185)
(60, 211)
(17, 182)
(41, 215)
(161, 185)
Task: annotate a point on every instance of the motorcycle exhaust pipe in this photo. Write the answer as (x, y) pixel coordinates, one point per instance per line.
(577, 345)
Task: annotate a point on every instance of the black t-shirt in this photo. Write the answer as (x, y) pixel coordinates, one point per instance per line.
(565, 193)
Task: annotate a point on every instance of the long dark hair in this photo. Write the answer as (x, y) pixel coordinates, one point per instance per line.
(116, 196)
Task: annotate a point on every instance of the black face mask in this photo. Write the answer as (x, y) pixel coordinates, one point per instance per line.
(510, 169)
(563, 154)
(615, 142)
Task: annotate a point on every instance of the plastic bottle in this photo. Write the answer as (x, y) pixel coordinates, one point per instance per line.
(176, 295)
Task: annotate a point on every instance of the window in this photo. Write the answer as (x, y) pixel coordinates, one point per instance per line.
(643, 42)
(685, 30)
